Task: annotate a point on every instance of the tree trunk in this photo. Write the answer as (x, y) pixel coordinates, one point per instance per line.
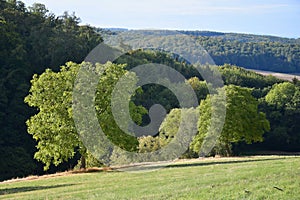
(82, 162)
(228, 149)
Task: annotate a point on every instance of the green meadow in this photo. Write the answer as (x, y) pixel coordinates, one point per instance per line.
(259, 177)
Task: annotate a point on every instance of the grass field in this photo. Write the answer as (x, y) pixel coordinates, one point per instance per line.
(283, 76)
(261, 177)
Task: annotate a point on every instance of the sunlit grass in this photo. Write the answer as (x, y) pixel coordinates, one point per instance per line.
(269, 177)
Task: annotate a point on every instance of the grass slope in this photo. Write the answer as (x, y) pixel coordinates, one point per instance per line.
(264, 177)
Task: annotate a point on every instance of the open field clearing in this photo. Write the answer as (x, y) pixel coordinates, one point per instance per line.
(283, 76)
(259, 177)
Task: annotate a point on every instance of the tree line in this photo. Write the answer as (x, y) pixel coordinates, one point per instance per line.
(259, 109)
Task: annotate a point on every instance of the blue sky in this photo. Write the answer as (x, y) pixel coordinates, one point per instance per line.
(269, 17)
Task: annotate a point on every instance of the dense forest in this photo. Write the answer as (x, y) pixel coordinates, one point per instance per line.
(32, 39)
(250, 51)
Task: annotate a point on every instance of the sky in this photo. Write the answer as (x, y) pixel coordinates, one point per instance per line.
(263, 17)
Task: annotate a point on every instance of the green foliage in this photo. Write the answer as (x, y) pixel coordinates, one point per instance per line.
(242, 37)
(157, 94)
(111, 75)
(144, 56)
(282, 107)
(243, 121)
(200, 87)
(90, 161)
(263, 55)
(149, 144)
(170, 126)
(53, 127)
(203, 124)
(32, 39)
(238, 76)
(175, 132)
(177, 128)
(281, 95)
(250, 51)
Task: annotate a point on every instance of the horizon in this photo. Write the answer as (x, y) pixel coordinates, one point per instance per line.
(272, 17)
(212, 31)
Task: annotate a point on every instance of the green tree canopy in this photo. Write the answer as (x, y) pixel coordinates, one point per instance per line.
(281, 94)
(243, 122)
(283, 107)
(53, 126)
(200, 87)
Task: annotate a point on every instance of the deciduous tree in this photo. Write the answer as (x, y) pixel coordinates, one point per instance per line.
(243, 122)
(53, 126)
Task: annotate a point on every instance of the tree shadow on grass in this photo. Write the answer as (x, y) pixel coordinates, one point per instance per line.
(205, 163)
(157, 165)
(30, 188)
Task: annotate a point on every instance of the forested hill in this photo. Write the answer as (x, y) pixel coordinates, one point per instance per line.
(261, 52)
(269, 56)
(242, 37)
(31, 40)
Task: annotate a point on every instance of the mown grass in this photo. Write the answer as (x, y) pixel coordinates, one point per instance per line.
(267, 177)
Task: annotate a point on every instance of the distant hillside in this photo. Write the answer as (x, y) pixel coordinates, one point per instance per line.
(260, 52)
(269, 56)
(242, 37)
